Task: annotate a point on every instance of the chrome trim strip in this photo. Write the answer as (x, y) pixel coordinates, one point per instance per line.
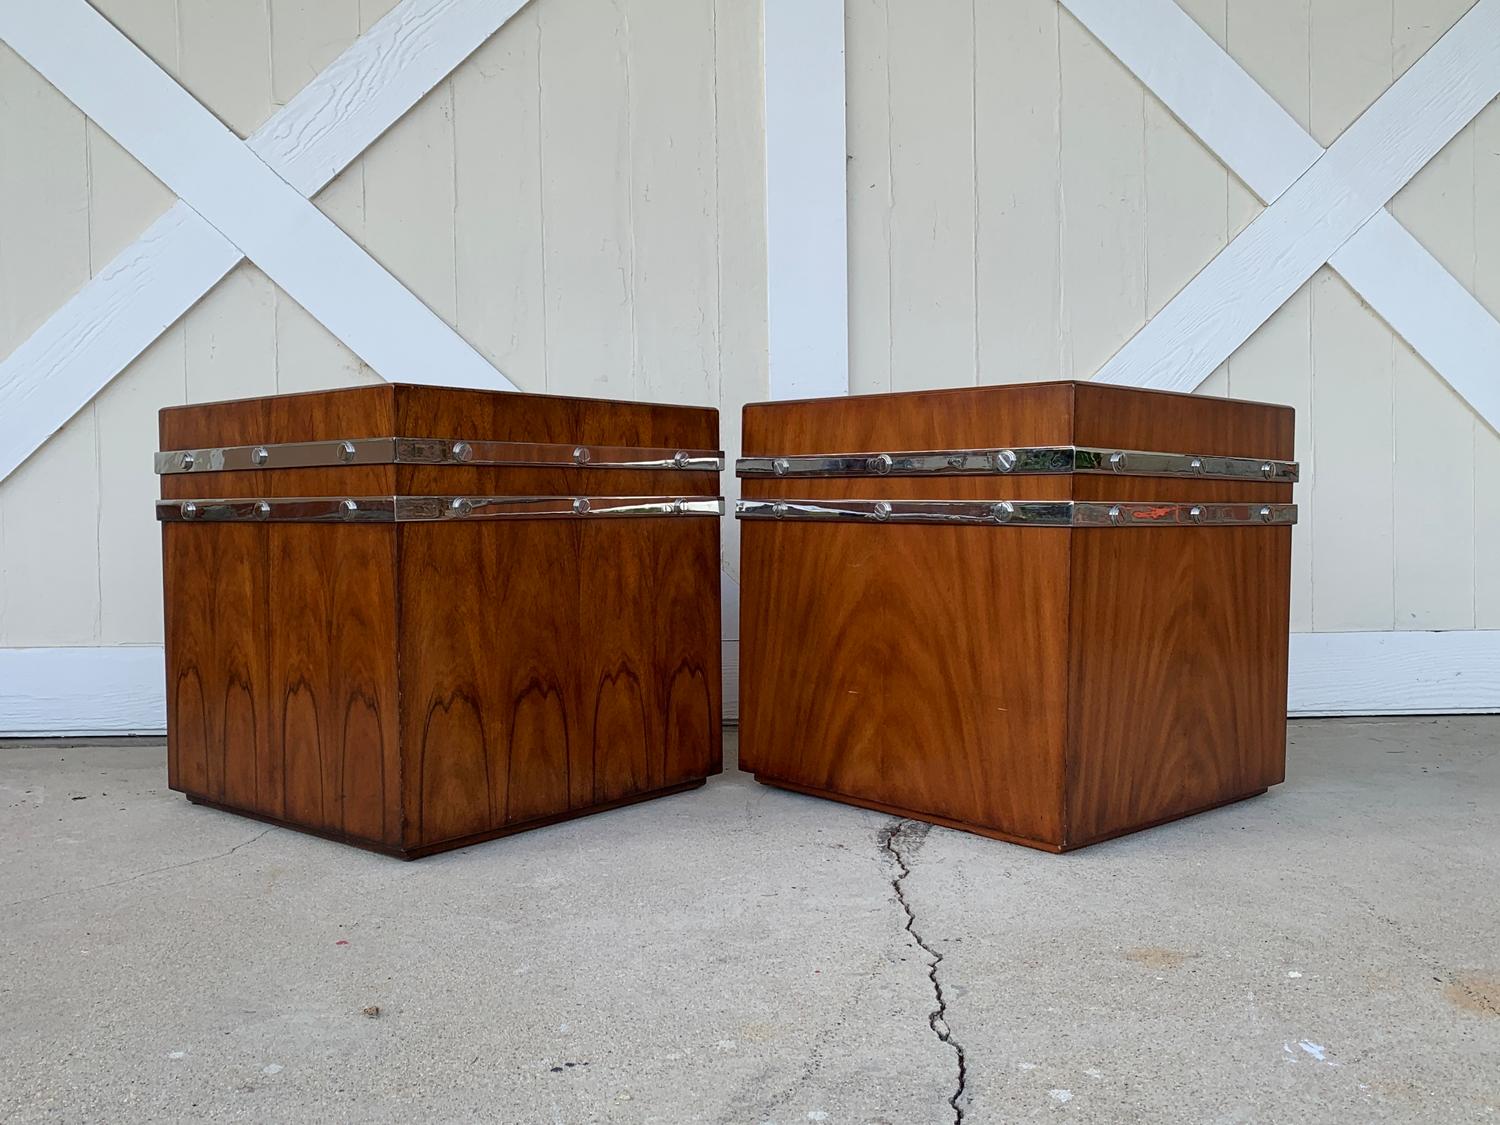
(1020, 461)
(431, 451)
(424, 509)
(1029, 513)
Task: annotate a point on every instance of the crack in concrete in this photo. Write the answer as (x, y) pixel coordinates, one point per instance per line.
(912, 832)
(139, 874)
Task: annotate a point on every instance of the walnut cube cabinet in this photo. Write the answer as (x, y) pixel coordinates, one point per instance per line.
(1051, 613)
(412, 618)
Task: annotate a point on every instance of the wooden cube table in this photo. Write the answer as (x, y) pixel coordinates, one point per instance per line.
(1051, 613)
(413, 618)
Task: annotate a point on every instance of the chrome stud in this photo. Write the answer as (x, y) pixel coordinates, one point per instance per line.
(346, 452)
(463, 451)
(882, 510)
(1117, 461)
(1005, 460)
(189, 510)
(779, 510)
(1195, 513)
(781, 466)
(461, 506)
(679, 506)
(581, 456)
(187, 460)
(259, 455)
(1196, 464)
(581, 504)
(262, 510)
(1268, 470)
(1266, 515)
(347, 508)
(1002, 512)
(1114, 510)
(880, 463)
(681, 459)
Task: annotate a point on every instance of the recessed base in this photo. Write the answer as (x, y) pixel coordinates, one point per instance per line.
(459, 842)
(983, 830)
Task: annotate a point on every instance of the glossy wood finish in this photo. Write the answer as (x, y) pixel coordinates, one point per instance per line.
(420, 686)
(1052, 687)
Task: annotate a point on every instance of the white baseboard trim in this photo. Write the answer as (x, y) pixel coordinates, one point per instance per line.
(113, 691)
(82, 691)
(1395, 673)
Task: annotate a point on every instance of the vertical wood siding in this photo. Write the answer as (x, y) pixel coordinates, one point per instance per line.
(1027, 162)
(576, 199)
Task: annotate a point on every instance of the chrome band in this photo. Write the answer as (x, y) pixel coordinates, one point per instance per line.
(432, 451)
(1020, 461)
(426, 509)
(1028, 513)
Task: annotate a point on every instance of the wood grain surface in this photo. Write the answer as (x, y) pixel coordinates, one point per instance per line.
(1052, 687)
(419, 686)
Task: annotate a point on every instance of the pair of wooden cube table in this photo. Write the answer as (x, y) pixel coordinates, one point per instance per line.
(414, 618)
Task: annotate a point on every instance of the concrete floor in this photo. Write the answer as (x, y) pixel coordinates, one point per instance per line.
(1330, 951)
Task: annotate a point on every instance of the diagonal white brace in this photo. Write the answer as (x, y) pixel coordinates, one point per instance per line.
(75, 354)
(1265, 147)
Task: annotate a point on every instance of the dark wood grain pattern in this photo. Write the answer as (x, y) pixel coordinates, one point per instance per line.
(1052, 687)
(417, 687)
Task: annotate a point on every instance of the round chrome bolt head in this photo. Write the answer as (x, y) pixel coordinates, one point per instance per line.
(1114, 513)
(262, 510)
(679, 506)
(187, 460)
(781, 466)
(346, 451)
(1117, 461)
(347, 508)
(259, 455)
(882, 510)
(463, 451)
(779, 510)
(1002, 512)
(1196, 464)
(1005, 460)
(1268, 470)
(580, 506)
(681, 458)
(880, 463)
(581, 456)
(1195, 513)
(461, 506)
(189, 510)
(1266, 515)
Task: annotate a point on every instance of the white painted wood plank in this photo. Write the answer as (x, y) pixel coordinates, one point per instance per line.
(498, 192)
(1349, 63)
(1216, 99)
(306, 36)
(868, 124)
(1487, 437)
(1394, 673)
(49, 568)
(224, 60)
(82, 691)
(933, 317)
(294, 243)
(1017, 107)
(807, 259)
(1352, 480)
(132, 300)
(1317, 214)
(586, 194)
(1103, 203)
(339, 113)
(742, 257)
(672, 173)
(230, 339)
(409, 202)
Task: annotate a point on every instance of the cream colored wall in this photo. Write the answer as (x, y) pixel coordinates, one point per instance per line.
(1019, 206)
(582, 200)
